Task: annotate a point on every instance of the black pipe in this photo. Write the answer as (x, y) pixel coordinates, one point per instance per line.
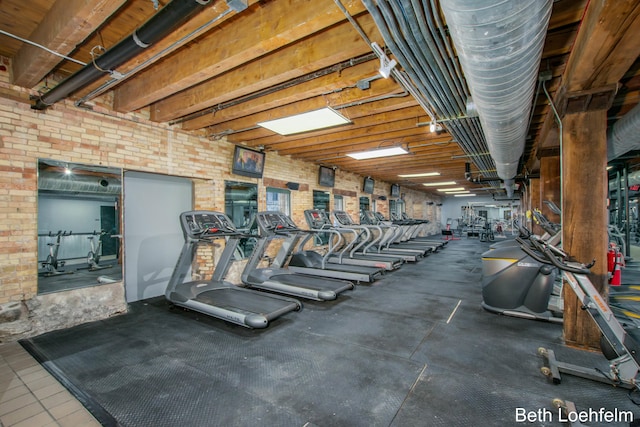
(156, 28)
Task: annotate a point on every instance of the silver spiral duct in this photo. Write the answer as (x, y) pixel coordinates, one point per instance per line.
(624, 135)
(88, 184)
(499, 43)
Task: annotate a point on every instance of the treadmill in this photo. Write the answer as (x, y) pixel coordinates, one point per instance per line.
(272, 274)
(375, 246)
(348, 254)
(309, 261)
(420, 227)
(215, 297)
(393, 235)
(412, 229)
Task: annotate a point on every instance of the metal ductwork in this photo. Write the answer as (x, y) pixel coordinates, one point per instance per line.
(499, 44)
(163, 23)
(86, 184)
(624, 135)
(415, 34)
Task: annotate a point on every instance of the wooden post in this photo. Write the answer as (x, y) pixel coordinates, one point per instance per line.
(534, 203)
(550, 181)
(584, 210)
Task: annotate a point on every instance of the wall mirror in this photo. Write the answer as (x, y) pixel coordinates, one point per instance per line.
(78, 225)
(241, 206)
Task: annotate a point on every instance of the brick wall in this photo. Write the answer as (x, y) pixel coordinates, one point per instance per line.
(67, 133)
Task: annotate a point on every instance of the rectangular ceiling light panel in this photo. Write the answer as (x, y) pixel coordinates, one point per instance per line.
(305, 122)
(380, 152)
(436, 184)
(420, 175)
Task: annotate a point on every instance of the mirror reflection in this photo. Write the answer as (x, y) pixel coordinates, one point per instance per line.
(241, 206)
(78, 225)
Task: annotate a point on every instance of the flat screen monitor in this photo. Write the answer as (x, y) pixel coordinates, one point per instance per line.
(395, 190)
(248, 162)
(326, 176)
(368, 185)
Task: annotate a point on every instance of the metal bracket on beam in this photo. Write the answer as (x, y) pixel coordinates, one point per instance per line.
(237, 5)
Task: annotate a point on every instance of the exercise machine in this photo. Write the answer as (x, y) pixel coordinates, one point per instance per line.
(269, 272)
(307, 261)
(486, 235)
(514, 283)
(353, 240)
(216, 297)
(93, 257)
(394, 235)
(619, 345)
(411, 230)
(52, 265)
(378, 235)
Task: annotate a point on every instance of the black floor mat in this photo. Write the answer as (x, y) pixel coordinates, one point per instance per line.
(413, 348)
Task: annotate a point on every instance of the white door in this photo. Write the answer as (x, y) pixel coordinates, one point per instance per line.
(152, 234)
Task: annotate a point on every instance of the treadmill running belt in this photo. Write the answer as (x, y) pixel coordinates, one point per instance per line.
(252, 302)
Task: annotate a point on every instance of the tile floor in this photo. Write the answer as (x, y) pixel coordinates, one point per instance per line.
(31, 397)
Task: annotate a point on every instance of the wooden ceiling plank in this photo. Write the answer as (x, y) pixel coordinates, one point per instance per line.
(360, 143)
(66, 25)
(274, 25)
(342, 96)
(566, 12)
(306, 56)
(309, 89)
(356, 114)
(368, 128)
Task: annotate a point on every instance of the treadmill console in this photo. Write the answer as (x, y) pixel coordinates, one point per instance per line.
(342, 217)
(369, 218)
(316, 218)
(202, 224)
(271, 222)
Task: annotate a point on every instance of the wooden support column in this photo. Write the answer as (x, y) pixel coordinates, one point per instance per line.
(584, 232)
(534, 203)
(550, 182)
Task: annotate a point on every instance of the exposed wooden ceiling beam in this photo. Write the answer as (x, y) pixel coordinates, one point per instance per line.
(606, 45)
(344, 96)
(66, 25)
(310, 54)
(276, 24)
(317, 86)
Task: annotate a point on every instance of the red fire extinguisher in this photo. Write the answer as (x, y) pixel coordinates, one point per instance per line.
(615, 262)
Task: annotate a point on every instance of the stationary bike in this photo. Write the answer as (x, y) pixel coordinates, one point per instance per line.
(52, 265)
(487, 233)
(93, 257)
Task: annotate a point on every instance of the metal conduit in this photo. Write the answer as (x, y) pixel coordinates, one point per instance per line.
(157, 27)
(414, 35)
(499, 44)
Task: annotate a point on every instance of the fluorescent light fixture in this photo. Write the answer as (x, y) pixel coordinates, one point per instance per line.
(435, 184)
(304, 122)
(419, 175)
(464, 195)
(380, 152)
(451, 189)
(458, 192)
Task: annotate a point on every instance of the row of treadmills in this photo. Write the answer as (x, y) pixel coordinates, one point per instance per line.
(355, 254)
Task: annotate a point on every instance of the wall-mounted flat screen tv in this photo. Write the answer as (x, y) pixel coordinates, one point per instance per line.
(368, 185)
(395, 190)
(326, 176)
(247, 162)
